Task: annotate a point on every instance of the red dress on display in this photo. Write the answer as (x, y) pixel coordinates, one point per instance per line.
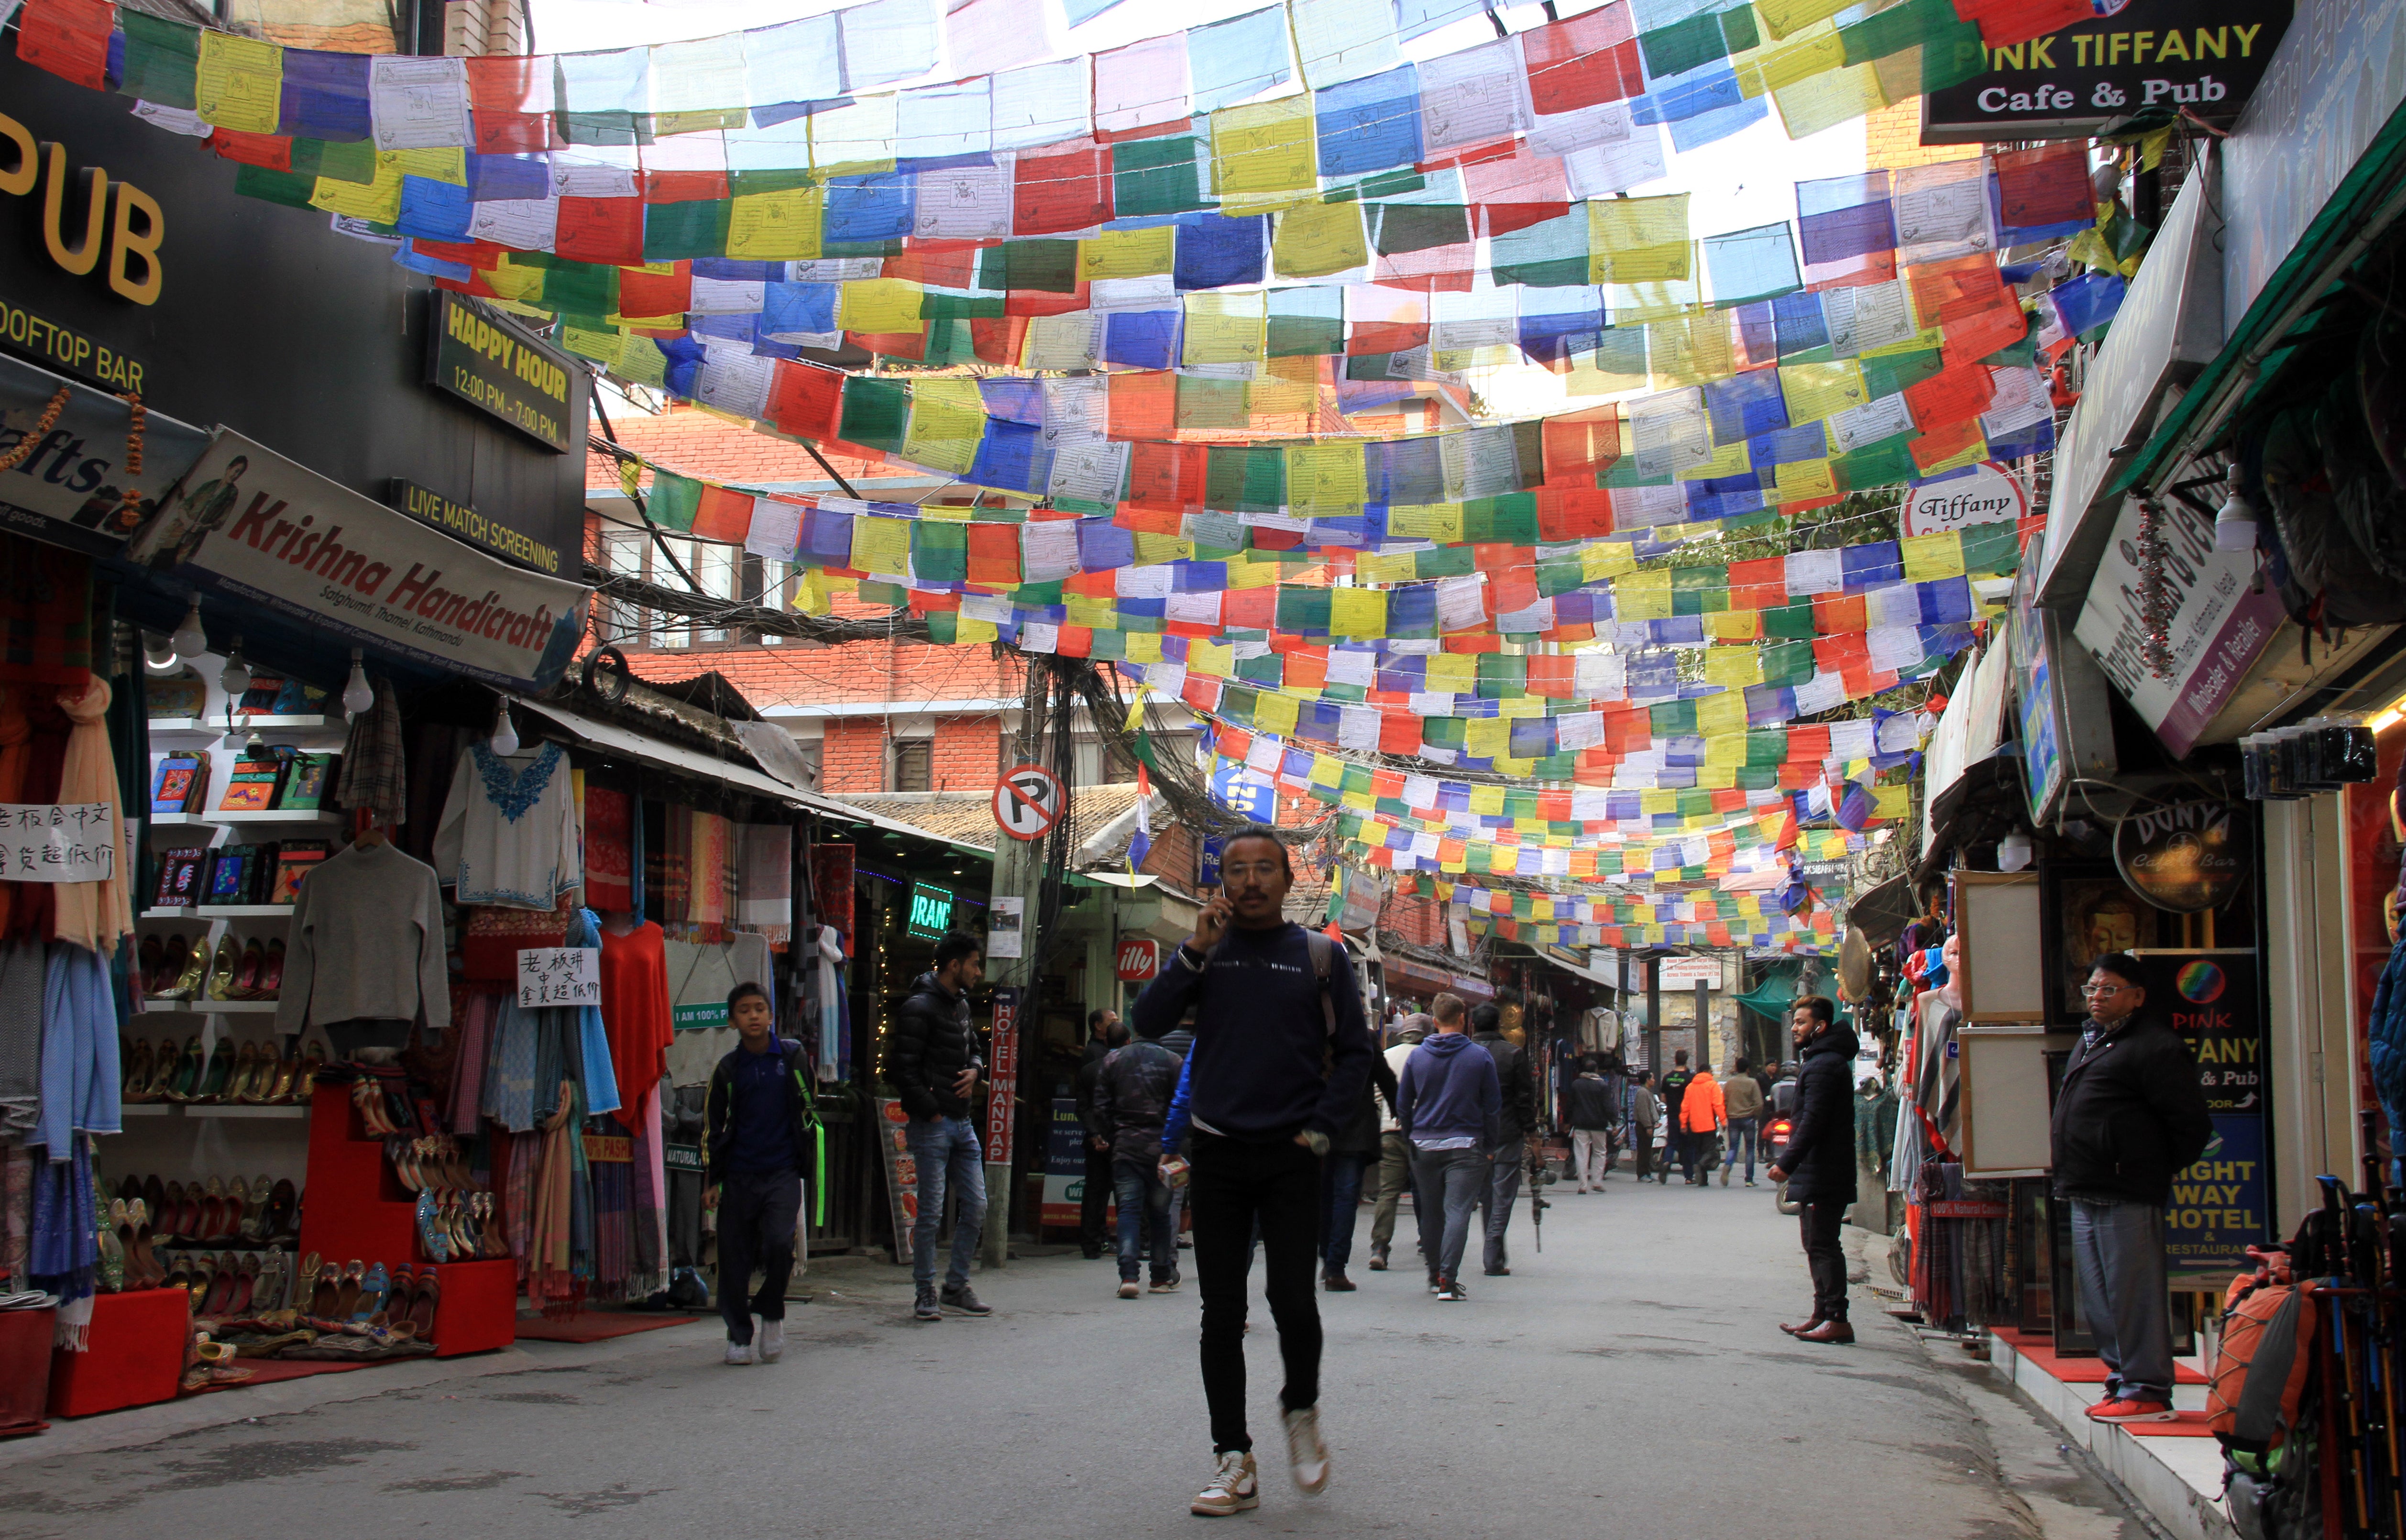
(635, 1013)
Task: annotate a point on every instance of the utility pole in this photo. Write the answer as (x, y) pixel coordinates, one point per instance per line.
(1018, 882)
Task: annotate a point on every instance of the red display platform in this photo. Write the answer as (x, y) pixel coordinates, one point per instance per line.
(595, 1326)
(136, 1354)
(2088, 1370)
(479, 1309)
(2185, 1425)
(25, 1369)
(356, 1207)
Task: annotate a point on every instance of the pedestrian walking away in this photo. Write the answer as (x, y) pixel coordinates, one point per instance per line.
(1674, 1086)
(1394, 1150)
(758, 1121)
(1450, 1103)
(1742, 1110)
(1818, 1161)
(934, 1061)
(2128, 1116)
(1590, 1112)
(1132, 1088)
(1515, 1123)
(1642, 1112)
(1351, 1154)
(1104, 1034)
(1280, 1053)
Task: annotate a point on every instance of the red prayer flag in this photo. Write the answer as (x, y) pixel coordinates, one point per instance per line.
(1053, 193)
(804, 401)
(272, 151)
(645, 293)
(601, 229)
(70, 39)
(511, 96)
(723, 513)
(1587, 58)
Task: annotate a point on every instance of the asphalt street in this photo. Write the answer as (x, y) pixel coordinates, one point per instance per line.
(1630, 1380)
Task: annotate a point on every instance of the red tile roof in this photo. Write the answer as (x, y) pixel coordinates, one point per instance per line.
(704, 445)
(850, 674)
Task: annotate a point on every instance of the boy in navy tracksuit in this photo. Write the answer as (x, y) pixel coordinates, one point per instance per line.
(756, 1151)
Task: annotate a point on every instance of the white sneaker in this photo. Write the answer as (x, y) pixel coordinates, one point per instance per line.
(1232, 1490)
(1307, 1456)
(739, 1354)
(1128, 1289)
(772, 1341)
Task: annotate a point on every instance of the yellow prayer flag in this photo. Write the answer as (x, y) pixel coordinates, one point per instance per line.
(1928, 558)
(510, 280)
(1127, 253)
(1817, 390)
(879, 306)
(1225, 329)
(1729, 460)
(1735, 667)
(1811, 104)
(1521, 705)
(1638, 240)
(1604, 558)
(775, 226)
(1316, 239)
(1453, 674)
(1159, 550)
(1690, 349)
(1325, 475)
(1724, 712)
(238, 83)
(1357, 612)
(1253, 575)
(1642, 596)
(1782, 19)
(1212, 660)
(1394, 567)
(1891, 802)
(378, 198)
(1734, 625)
(968, 628)
(1275, 713)
(881, 546)
(946, 423)
(1486, 800)
(1806, 480)
(435, 166)
(1437, 521)
(1142, 647)
(1265, 147)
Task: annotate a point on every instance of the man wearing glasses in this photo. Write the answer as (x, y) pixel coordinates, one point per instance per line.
(2128, 1117)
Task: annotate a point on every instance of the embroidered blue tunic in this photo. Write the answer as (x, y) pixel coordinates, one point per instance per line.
(508, 834)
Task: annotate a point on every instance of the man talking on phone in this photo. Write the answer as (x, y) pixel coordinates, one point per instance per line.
(1280, 1053)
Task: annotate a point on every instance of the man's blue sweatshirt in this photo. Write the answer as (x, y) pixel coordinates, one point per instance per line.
(1264, 1064)
(1449, 1090)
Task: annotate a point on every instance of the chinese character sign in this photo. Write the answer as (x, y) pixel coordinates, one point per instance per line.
(560, 975)
(51, 842)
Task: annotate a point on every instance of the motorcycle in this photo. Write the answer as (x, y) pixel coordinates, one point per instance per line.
(1774, 1138)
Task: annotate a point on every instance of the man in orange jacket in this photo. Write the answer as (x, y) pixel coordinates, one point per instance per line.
(1700, 1118)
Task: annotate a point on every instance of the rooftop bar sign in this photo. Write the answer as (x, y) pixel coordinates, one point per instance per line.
(2204, 56)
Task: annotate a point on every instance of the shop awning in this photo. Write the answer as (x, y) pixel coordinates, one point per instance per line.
(610, 738)
(1561, 957)
(2169, 326)
(2293, 147)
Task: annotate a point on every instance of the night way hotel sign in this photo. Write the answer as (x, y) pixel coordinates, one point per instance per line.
(500, 367)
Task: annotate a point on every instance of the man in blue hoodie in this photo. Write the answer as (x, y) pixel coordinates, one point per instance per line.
(1281, 1052)
(1451, 1105)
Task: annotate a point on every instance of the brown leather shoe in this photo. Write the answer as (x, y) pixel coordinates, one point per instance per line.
(1811, 1321)
(1837, 1332)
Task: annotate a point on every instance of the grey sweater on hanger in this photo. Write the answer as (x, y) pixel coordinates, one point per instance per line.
(367, 941)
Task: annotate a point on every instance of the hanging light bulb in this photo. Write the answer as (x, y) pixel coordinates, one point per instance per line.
(159, 652)
(191, 642)
(505, 737)
(2014, 850)
(236, 677)
(2234, 523)
(357, 696)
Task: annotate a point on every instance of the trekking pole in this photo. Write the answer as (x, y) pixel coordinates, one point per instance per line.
(2383, 1428)
(2350, 1430)
(1538, 1176)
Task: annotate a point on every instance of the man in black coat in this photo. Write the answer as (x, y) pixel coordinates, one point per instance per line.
(1130, 1102)
(1818, 1161)
(1104, 1033)
(1519, 1120)
(933, 1060)
(2128, 1116)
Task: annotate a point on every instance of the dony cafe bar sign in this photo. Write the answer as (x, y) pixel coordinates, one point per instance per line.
(250, 524)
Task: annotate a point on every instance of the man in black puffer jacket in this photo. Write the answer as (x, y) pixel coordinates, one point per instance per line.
(2128, 1117)
(1132, 1088)
(933, 1060)
(1818, 1161)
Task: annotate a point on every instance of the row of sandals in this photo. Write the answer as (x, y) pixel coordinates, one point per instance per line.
(181, 969)
(246, 1074)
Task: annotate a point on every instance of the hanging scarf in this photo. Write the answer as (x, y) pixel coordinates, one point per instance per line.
(94, 916)
(600, 1079)
(676, 885)
(764, 892)
(610, 861)
(65, 1251)
(548, 1259)
(375, 777)
(82, 1087)
(474, 1010)
(21, 973)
